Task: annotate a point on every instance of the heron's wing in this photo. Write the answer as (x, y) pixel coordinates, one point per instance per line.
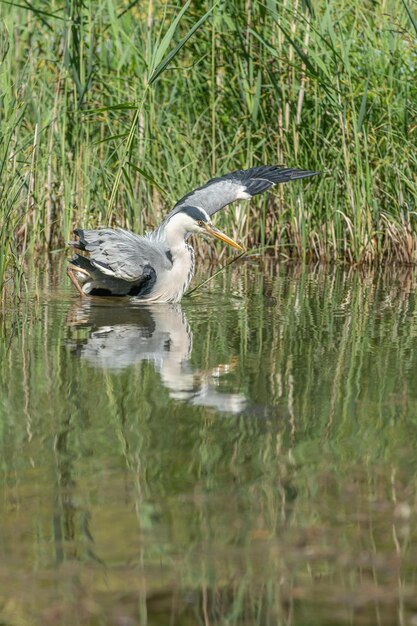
(238, 185)
(121, 254)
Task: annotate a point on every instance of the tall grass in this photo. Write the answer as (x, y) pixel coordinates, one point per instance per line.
(110, 111)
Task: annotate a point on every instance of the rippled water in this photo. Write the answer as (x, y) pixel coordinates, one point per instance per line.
(248, 457)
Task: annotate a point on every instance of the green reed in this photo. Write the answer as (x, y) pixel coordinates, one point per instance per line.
(110, 111)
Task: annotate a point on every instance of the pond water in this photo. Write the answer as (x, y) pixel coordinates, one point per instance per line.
(246, 458)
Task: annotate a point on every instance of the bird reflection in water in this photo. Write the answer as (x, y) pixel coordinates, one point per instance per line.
(123, 335)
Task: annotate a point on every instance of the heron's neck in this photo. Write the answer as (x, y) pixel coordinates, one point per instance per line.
(171, 284)
(174, 234)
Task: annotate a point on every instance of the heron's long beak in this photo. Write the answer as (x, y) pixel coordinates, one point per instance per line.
(219, 235)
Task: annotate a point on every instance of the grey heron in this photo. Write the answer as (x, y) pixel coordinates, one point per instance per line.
(159, 266)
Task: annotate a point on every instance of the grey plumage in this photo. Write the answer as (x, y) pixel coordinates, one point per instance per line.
(120, 253)
(101, 283)
(240, 184)
(160, 265)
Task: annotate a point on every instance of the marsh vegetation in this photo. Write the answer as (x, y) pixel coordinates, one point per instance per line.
(110, 111)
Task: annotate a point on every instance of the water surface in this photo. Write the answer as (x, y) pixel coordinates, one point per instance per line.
(246, 457)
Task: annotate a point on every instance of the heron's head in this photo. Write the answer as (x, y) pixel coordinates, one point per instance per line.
(195, 220)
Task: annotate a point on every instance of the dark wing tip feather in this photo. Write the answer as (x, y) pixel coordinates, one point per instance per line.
(261, 178)
(303, 174)
(272, 173)
(81, 243)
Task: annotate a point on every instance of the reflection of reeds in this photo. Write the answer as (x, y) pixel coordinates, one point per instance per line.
(152, 506)
(96, 128)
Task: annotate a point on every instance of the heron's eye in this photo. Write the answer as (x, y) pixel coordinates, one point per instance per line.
(201, 223)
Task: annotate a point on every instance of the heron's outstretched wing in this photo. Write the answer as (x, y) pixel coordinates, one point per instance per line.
(238, 185)
(121, 254)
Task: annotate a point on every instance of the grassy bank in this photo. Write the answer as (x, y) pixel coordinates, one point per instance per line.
(111, 110)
